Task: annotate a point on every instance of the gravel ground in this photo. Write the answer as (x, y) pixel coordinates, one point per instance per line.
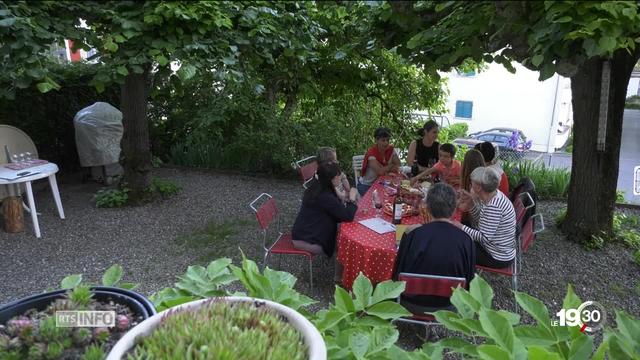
(148, 241)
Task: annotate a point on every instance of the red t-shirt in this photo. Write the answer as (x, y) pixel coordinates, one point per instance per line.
(450, 175)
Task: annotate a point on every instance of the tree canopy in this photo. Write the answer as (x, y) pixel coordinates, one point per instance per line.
(581, 40)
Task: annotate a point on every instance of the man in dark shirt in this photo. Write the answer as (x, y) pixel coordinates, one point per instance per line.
(436, 248)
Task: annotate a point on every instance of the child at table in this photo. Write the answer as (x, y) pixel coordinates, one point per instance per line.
(447, 167)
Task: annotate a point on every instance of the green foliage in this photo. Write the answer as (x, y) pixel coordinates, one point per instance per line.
(197, 283)
(452, 132)
(632, 102)
(164, 187)
(47, 118)
(111, 197)
(620, 197)
(357, 325)
(500, 332)
(111, 277)
(221, 330)
(94, 352)
(271, 285)
(81, 296)
(156, 162)
(229, 127)
(551, 183)
(622, 342)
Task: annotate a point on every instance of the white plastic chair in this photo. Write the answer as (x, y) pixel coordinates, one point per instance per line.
(18, 142)
(356, 162)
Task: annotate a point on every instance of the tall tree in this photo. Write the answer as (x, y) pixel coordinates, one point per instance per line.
(574, 39)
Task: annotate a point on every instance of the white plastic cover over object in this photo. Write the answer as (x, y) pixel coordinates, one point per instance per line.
(98, 134)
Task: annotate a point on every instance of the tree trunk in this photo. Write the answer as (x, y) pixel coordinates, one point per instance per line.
(13, 214)
(135, 141)
(594, 174)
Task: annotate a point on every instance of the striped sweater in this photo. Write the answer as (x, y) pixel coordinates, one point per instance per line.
(496, 230)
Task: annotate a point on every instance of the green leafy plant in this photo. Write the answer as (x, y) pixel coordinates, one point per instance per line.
(156, 162)
(197, 283)
(620, 197)
(163, 187)
(111, 197)
(111, 277)
(500, 332)
(357, 325)
(270, 285)
(223, 330)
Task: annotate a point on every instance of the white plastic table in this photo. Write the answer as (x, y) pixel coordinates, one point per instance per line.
(10, 177)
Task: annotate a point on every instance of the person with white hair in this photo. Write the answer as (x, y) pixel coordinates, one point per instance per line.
(493, 212)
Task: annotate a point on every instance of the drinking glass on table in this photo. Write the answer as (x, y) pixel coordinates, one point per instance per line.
(377, 202)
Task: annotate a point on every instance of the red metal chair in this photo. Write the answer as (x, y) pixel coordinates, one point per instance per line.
(520, 207)
(430, 285)
(266, 214)
(529, 231)
(306, 171)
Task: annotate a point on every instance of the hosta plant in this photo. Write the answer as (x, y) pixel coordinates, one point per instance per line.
(222, 329)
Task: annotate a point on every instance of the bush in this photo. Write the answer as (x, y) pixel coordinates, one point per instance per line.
(632, 102)
(452, 132)
(551, 183)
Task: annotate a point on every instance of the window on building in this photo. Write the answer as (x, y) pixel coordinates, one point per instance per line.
(464, 109)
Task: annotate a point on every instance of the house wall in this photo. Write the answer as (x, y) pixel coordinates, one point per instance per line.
(634, 86)
(502, 99)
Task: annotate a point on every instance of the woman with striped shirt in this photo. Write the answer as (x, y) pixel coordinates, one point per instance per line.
(495, 235)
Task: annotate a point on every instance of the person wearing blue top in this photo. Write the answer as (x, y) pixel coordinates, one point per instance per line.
(316, 225)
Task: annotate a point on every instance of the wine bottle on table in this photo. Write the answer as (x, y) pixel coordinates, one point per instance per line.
(397, 208)
(414, 168)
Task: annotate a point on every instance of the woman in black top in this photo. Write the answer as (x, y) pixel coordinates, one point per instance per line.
(316, 225)
(425, 149)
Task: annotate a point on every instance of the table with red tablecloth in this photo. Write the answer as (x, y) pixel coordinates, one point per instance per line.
(361, 249)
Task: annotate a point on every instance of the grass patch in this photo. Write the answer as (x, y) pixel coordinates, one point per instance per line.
(212, 241)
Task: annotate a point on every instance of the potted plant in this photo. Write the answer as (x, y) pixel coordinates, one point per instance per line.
(28, 328)
(223, 327)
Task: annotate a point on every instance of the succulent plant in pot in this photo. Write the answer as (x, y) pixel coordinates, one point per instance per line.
(223, 328)
(29, 327)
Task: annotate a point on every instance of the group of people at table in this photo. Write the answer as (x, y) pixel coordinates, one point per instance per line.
(477, 187)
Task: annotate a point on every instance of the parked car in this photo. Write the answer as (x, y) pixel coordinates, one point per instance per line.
(507, 140)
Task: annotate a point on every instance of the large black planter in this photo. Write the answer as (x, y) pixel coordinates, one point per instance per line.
(139, 304)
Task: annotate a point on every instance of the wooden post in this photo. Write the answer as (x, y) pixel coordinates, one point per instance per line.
(13, 215)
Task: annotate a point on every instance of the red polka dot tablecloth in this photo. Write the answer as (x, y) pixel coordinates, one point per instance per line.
(361, 249)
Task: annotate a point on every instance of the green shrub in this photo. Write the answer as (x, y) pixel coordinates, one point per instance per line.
(620, 197)
(163, 187)
(632, 102)
(452, 132)
(551, 183)
(111, 197)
